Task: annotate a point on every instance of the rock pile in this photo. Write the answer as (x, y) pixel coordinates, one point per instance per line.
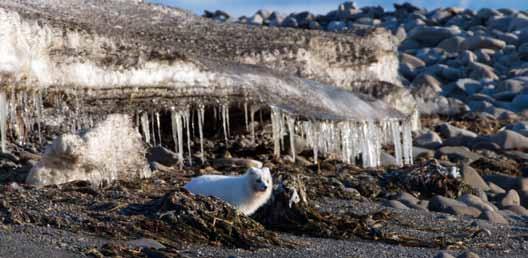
(454, 59)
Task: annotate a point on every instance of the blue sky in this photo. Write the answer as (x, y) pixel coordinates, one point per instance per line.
(248, 7)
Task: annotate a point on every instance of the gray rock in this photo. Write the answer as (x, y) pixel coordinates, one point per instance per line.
(518, 23)
(444, 71)
(479, 106)
(411, 60)
(462, 88)
(493, 217)
(421, 152)
(467, 57)
(407, 198)
(478, 42)
(507, 140)
(511, 198)
(523, 51)
(408, 44)
(520, 102)
(432, 35)
(429, 139)
(396, 204)
(496, 189)
(485, 55)
(468, 255)
(265, 14)
(501, 180)
(500, 23)
(426, 86)
(509, 38)
(471, 177)
(276, 19)
(388, 160)
(163, 156)
(304, 19)
(145, 243)
(479, 71)
(410, 24)
(290, 22)
(441, 105)
(458, 153)
(447, 131)
(476, 202)
(517, 209)
(451, 206)
(431, 56)
(452, 44)
(443, 254)
(256, 20)
(336, 26)
(463, 211)
(313, 25)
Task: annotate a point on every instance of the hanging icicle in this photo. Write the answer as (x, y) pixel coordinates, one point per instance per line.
(290, 121)
(3, 120)
(145, 126)
(201, 113)
(187, 118)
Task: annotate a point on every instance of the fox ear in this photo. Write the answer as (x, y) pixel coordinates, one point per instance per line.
(252, 171)
(266, 170)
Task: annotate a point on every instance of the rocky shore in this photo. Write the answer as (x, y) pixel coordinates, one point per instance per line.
(465, 195)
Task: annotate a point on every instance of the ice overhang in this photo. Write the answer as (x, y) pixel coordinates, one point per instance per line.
(115, 50)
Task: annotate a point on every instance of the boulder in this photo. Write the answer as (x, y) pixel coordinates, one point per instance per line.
(458, 153)
(476, 202)
(429, 139)
(472, 178)
(443, 204)
(432, 35)
(479, 42)
(511, 198)
(493, 217)
(447, 131)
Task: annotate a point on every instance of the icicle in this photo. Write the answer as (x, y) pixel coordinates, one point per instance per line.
(174, 128)
(276, 118)
(252, 123)
(193, 132)
(407, 142)
(177, 130)
(159, 127)
(153, 129)
(291, 131)
(3, 120)
(396, 138)
(145, 126)
(315, 139)
(186, 118)
(37, 99)
(225, 125)
(201, 112)
(246, 115)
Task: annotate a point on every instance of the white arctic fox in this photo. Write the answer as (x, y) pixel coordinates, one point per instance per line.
(245, 193)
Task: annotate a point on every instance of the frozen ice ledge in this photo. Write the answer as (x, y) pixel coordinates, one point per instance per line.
(86, 58)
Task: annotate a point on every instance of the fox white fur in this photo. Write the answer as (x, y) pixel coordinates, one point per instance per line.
(246, 193)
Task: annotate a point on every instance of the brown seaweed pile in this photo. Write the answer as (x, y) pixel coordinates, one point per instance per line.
(428, 179)
(290, 210)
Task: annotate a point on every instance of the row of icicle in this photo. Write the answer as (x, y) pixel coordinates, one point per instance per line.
(345, 140)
